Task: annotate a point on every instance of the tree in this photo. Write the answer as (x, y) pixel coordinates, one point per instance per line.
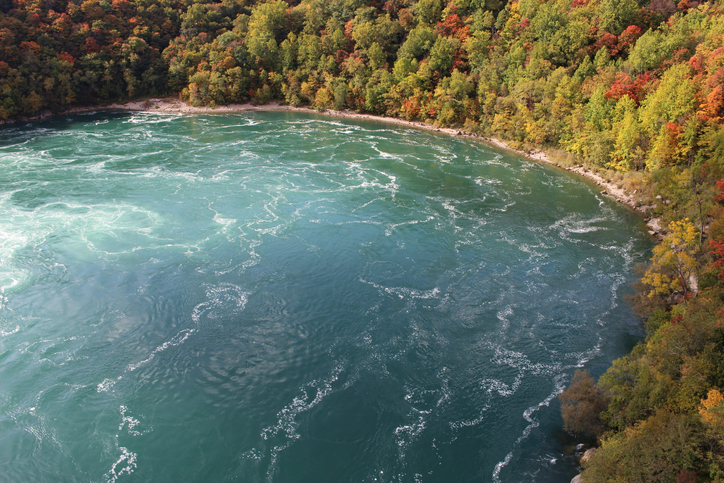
(340, 96)
(376, 56)
(672, 102)
(712, 409)
(376, 87)
(581, 404)
(616, 15)
(441, 55)
(675, 261)
(655, 450)
(267, 22)
(428, 11)
(712, 413)
(418, 43)
(477, 47)
(628, 151)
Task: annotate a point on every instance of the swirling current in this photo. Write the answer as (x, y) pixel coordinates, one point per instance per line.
(281, 297)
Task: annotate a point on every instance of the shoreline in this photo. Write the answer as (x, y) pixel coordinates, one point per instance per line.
(174, 106)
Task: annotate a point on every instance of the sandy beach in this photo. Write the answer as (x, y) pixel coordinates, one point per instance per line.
(171, 105)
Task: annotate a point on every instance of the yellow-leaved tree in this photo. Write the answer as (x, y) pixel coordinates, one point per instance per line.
(675, 262)
(712, 413)
(712, 409)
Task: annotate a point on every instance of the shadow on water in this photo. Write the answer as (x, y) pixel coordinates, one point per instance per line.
(10, 133)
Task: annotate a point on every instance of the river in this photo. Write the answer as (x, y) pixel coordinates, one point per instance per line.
(284, 297)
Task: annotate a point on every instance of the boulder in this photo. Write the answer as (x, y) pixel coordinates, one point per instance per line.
(588, 455)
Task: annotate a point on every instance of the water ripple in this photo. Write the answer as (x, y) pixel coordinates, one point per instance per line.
(290, 298)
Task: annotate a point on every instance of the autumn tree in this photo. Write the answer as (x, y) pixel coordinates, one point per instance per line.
(581, 404)
(674, 264)
(657, 449)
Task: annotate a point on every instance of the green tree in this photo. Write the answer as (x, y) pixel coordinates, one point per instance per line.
(376, 56)
(340, 96)
(628, 150)
(615, 15)
(441, 55)
(428, 11)
(418, 43)
(672, 101)
(267, 22)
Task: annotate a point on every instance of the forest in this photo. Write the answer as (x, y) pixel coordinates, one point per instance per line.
(633, 89)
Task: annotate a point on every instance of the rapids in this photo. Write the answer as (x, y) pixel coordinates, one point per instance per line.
(278, 297)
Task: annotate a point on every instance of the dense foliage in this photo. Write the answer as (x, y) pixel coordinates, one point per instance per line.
(54, 55)
(634, 88)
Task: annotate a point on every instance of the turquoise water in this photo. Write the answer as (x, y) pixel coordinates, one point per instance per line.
(276, 297)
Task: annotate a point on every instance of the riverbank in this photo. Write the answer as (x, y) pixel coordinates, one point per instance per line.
(171, 106)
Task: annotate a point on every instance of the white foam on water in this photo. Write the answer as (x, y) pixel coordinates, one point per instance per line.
(405, 292)
(31, 420)
(384, 154)
(252, 122)
(529, 249)
(480, 181)
(178, 339)
(227, 296)
(151, 117)
(506, 204)
(583, 357)
(312, 393)
(391, 185)
(466, 423)
(107, 384)
(495, 160)
(574, 225)
(221, 176)
(125, 464)
(500, 465)
(626, 252)
(392, 227)
(520, 361)
(130, 423)
(503, 316)
(322, 122)
(157, 171)
(92, 224)
(500, 387)
(226, 300)
(223, 221)
(254, 257)
(619, 279)
(408, 432)
(5, 333)
(532, 424)
(444, 157)
(11, 241)
(424, 405)
(286, 423)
